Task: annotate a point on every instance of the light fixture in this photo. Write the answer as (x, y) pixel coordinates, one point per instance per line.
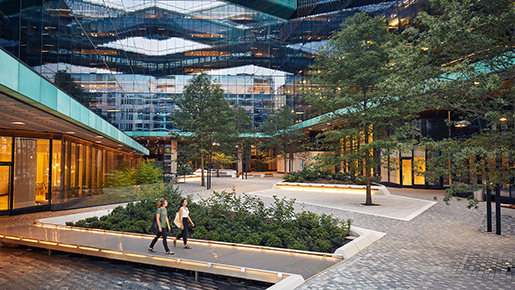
(503, 119)
(17, 123)
(462, 124)
(98, 136)
(70, 132)
(98, 141)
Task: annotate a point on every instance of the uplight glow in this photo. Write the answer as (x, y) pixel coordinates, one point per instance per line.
(112, 252)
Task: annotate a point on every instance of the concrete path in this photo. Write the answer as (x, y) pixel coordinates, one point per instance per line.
(428, 245)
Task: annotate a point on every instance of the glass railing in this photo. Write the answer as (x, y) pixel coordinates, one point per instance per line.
(79, 198)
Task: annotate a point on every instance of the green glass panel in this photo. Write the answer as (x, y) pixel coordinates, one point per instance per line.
(48, 95)
(29, 83)
(63, 103)
(8, 71)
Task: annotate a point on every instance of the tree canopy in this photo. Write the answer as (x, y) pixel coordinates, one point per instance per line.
(462, 60)
(281, 136)
(351, 78)
(206, 114)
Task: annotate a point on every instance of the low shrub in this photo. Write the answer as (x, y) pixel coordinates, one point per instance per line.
(227, 217)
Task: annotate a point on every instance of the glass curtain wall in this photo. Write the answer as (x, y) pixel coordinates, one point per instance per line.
(127, 59)
(31, 168)
(5, 171)
(86, 166)
(46, 171)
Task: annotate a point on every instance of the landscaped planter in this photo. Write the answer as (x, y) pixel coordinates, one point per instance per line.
(377, 189)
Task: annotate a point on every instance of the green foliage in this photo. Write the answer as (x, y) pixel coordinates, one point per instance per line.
(184, 169)
(462, 190)
(461, 60)
(145, 172)
(281, 136)
(228, 217)
(206, 114)
(352, 73)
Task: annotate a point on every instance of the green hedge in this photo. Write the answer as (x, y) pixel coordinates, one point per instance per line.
(314, 176)
(227, 217)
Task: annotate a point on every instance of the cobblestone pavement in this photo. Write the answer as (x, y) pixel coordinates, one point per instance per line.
(26, 268)
(445, 247)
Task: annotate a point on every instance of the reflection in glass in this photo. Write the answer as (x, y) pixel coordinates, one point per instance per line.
(4, 187)
(419, 165)
(5, 149)
(56, 166)
(31, 168)
(394, 162)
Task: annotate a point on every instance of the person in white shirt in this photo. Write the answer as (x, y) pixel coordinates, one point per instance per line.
(184, 215)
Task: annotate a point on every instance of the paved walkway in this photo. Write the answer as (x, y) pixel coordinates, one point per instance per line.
(443, 247)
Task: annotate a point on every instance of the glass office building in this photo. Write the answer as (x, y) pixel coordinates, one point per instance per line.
(130, 57)
(125, 59)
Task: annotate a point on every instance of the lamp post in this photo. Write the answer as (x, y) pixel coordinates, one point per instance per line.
(213, 144)
(245, 160)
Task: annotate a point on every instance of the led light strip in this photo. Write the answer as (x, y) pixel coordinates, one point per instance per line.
(89, 249)
(112, 252)
(48, 243)
(208, 243)
(136, 255)
(165, 259)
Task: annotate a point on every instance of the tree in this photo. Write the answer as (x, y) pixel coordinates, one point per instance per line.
(206, 114)
(351, 80)
(220, 159)
(463, 61)
(68, 84)
(280, 135)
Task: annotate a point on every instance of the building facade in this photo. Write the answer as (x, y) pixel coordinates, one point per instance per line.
(125, 60)
(130, 57)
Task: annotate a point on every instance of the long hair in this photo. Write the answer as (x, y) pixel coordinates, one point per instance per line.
(182, 202)
(160, 203)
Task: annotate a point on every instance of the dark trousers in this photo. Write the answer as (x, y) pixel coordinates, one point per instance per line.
(163, 234)
(184, 233)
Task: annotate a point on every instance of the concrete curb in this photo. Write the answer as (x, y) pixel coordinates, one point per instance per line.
(364, 239)
(290, 283)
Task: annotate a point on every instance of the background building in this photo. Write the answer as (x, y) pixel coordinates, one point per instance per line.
(125, 59)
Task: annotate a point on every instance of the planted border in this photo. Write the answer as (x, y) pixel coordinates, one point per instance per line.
(227, 217)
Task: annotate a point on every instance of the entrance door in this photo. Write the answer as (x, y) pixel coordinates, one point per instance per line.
(5, 187)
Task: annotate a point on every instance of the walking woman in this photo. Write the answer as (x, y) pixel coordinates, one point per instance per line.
(162, 222)
(184, 215)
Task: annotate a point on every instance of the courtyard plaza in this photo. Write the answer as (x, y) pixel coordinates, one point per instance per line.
(439, 247)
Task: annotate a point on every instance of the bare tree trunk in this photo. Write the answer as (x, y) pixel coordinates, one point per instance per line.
(367, 172)
(285, 158)
(202, 170)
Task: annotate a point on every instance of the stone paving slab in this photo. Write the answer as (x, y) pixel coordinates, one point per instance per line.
(389, 206)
